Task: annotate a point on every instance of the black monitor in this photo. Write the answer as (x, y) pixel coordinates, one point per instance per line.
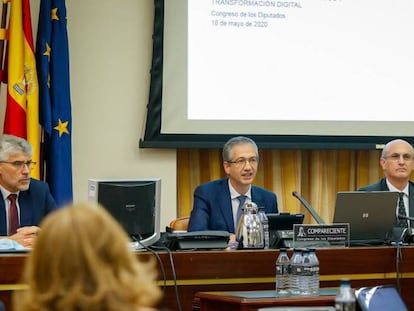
(281, 228)
(134, 203)
(284, 221)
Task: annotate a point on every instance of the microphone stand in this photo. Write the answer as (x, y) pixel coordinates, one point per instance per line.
(310, 209)
(408, 233)
(407, 236)
(405, 217)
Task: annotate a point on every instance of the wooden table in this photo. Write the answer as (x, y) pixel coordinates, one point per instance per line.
(253, 300)
(248, 270)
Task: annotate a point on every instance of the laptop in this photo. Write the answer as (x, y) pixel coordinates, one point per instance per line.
(370, 214)
(281, 228)
(380, 298)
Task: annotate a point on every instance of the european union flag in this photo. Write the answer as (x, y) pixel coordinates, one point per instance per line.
(52, 59)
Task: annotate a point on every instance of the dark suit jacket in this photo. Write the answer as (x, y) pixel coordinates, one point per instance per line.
(381, 185)
(212, 209)
(34, 204)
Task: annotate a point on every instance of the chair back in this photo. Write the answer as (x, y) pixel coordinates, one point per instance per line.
(180, 223)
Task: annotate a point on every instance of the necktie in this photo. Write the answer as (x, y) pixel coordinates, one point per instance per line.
(401, 210)
(242, 199)
(13, 215)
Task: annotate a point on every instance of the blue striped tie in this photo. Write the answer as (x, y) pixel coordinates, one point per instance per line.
(242, 199)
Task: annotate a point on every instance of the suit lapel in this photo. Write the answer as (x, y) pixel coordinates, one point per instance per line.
(384, 186)
(256, 197)
(411, 199)
(3, 224)
(26, 213)
(225, 202)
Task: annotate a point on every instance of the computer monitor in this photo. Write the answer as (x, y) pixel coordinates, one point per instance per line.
(134, 203)
(281, 228)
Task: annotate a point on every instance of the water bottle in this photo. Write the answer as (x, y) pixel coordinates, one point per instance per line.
(306, 278)
(315, 272)
(282, 272)
(345, 299)
(295, 271)
(265, 222)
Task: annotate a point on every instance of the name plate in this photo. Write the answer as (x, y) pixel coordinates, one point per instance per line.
(320, 235)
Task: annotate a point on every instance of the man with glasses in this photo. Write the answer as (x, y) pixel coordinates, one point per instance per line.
(23, 201)
(216, 204)
(397, 163)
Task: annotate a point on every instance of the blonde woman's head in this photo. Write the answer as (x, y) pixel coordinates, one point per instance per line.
(81, 261)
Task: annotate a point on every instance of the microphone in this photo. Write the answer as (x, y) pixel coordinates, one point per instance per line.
(407, 235)
(405, 217)
(310, 209)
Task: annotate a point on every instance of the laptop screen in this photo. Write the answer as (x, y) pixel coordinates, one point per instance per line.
(371, 215)
(380, 298)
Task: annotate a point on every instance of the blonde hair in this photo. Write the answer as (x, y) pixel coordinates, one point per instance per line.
(81, 261)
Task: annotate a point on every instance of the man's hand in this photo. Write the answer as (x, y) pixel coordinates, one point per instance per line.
(25, 236)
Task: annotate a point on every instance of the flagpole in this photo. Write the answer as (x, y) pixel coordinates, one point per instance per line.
(2, 41)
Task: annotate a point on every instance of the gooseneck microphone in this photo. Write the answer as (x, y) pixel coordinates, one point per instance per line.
(407, 235)
(405, 217)
(310, 209)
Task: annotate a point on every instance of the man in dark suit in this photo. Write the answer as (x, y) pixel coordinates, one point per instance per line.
(397, 162)
(28, 199)
(216, 204)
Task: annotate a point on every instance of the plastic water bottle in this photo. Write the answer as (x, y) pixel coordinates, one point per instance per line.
(282, 272)
(315, 272)
(306, 278)
(296, 269)
(265, 222)
(345, 299)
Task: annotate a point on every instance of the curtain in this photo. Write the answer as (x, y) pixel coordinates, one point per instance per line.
(317, 175)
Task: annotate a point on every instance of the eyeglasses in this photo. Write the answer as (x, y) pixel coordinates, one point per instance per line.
(395, 157)
(241, 162)
(20, 164)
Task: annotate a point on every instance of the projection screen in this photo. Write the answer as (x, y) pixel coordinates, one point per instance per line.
(314, 73)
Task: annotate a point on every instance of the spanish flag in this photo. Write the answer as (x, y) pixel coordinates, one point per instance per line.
(22, 109)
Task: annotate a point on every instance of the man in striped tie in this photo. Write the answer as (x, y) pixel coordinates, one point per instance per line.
(397, 162)
(217, 203)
